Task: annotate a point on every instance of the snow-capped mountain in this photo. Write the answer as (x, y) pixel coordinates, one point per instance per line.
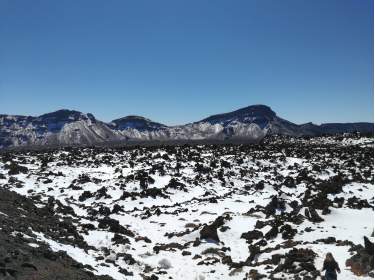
(67, 127)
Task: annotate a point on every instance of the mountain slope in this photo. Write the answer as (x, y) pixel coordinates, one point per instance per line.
(63, 127)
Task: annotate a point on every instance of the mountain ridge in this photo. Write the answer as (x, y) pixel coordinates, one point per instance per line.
(71, 127)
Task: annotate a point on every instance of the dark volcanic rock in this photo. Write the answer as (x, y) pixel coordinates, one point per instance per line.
(209, 232)
(362, 263)
(85, 195)
(312, 215)
(18, 260)
(299, 260)
(114, 226)
(252, 235)
(272, 233)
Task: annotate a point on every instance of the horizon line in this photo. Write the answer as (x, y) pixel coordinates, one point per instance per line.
(173, 125)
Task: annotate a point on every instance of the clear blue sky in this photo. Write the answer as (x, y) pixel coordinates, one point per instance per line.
(179, 61)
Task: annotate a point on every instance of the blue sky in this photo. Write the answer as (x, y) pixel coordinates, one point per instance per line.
(179, 61)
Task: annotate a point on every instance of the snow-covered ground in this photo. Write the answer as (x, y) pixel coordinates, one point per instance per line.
(163, 196)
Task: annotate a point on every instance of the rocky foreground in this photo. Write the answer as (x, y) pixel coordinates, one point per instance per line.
(268, 211)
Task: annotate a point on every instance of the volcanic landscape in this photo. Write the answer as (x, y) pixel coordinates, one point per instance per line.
(264, 211)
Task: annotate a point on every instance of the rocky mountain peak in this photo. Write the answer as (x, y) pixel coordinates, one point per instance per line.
(258, 114)
(65, 115)
(135, 122)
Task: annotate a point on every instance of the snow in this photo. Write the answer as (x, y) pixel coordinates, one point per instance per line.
(342, 223)
(81, 256)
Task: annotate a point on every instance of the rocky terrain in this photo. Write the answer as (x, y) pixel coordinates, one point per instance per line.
(67, 128)
(21, 259)
(266, 211)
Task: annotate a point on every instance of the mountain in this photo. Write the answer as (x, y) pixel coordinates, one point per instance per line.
(258, 114)
(63, 127)
(135, 122)
(68, 127)
(332, 128)
(256, 118)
